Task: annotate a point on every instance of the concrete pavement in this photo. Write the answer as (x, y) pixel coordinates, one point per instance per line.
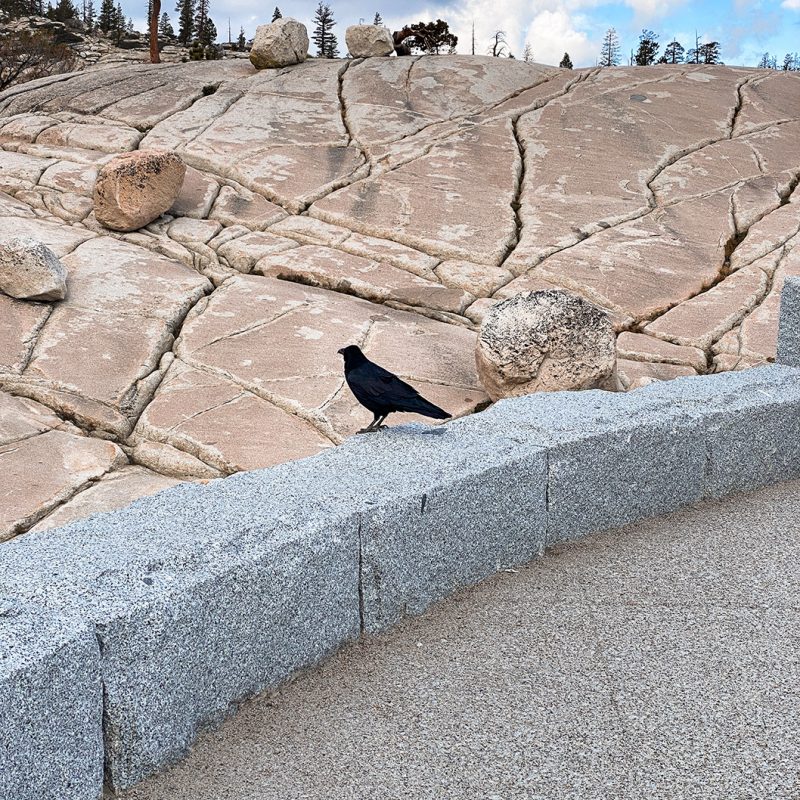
(656, 661)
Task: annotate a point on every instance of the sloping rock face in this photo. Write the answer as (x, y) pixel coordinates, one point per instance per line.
(384, 202)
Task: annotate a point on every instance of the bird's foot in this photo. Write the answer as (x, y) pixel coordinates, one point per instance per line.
(372, 429)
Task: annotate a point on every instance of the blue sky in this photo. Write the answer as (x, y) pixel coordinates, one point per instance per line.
(745, 28)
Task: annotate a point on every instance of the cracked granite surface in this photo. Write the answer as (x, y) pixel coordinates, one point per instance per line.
(387, 202)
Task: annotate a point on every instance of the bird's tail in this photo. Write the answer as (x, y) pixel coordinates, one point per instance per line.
(428, 409)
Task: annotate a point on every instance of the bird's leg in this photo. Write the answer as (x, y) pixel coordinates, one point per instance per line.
(378, 423)
(373, 426)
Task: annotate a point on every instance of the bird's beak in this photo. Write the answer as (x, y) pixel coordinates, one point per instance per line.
(340, 352)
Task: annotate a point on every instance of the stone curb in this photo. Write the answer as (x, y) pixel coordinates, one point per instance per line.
(789, 335)
(189, 601)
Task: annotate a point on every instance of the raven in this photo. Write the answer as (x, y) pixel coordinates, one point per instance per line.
(382, 392)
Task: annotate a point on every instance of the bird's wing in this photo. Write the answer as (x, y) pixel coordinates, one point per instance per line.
(381, 385)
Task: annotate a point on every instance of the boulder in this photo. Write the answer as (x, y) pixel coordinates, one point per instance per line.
(279, 44)
(544, 341)
(29, 270)
(364, 41)
(135, 188)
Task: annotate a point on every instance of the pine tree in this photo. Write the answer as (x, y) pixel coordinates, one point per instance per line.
(767, 62)
(673, 53)
(276, 14)
(648, 49)
(64, 11)
(207, 35)
(241, 42)
(378, 19)
(119, 24)
(185, 9)
(566, 62)
(88, 15)
(200, 19)
(791, 62)
(430, 37)
(323, 37)
(106, 19)
(610, 52)
(165, 29)
(709, 53)
(527, 53)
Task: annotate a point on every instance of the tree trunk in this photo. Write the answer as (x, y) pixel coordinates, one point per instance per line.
(154, 57)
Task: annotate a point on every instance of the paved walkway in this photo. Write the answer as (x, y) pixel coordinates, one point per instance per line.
(658, 661)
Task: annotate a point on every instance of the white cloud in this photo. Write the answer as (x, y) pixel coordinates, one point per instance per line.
(646, 10)
(792, 5)
(554, 28)
(552, 33)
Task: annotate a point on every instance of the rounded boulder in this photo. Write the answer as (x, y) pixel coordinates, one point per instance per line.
(279, 44)
(544, 341)
(135, 188)
(366, 41)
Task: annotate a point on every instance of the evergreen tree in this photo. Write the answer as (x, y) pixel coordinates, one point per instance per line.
(185, 9)
(430, 37)
(378, 19)
(107, 17)
(767, 62)
(14, 9)
(21, 8)
(207, 35)
(527, 54)
(64, 10)
(276, 14)
(165, 29)
(791, 62)
(200, 20)
(566, 62)
(241, 42)
(648, 49)
(673, 54)
(610, 52)
(129, 26)
(88, 15)
(118, 27)
(709, 53)
(323, 37)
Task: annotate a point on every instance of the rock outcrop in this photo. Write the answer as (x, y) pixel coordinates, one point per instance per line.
(135, 188)
(366, 41)
(29, 270)
(279, 44)
(385, 202)
(544, 341)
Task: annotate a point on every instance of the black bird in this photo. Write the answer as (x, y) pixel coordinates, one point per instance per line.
(382, 392)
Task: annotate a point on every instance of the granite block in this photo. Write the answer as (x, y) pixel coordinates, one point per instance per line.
(750, 424)
(789, 325)
(51, 706)
(463, 506)
(612, 458)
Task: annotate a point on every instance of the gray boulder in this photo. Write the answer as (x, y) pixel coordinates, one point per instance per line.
(279, 44)
(365, 41)
(31, 271)
(544, 342)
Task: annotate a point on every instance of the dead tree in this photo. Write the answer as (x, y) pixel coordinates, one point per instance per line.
(154, 15)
